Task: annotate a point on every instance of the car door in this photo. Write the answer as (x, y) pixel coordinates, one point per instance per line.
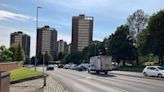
(154, 71)
(148, 71)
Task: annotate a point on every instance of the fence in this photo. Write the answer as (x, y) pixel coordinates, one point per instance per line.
(9, 66)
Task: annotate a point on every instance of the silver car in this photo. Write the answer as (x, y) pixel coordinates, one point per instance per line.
(154, 71)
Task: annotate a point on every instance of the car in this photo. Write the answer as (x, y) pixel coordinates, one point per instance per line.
(157, 71)
(67, 66)
(73, 67)
(60, 65)
(50, 67)
(81, 68)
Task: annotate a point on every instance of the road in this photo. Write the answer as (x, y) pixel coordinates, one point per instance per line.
(76, 81)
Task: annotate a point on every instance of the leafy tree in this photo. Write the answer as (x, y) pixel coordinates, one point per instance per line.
(137, 22)
(20, 56)
(154, 42)
(61, 55)
(75, 57)
(121, 45)
(5, 54)
(47, 58)
(40, 58)
(13, 49)
(33, 60)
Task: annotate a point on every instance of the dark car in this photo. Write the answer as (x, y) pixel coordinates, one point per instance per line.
(50, 67)
(60, 66)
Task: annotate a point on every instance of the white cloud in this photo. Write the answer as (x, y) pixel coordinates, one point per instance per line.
(6, 15)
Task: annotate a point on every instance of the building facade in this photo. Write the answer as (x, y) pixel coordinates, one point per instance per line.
(46, 41)
(82, 32)
(19, 38)
(61, 46)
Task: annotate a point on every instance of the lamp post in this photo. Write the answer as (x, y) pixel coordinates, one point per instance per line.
(36, 28)
(44, 77)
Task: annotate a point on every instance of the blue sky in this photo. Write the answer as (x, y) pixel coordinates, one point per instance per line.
(20, 15)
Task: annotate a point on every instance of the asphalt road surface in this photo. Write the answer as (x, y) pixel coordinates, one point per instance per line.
(76, 81)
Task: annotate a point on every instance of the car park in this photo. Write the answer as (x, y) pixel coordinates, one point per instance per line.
(157, 71)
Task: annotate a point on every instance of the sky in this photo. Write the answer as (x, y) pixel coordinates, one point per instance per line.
(20, 15)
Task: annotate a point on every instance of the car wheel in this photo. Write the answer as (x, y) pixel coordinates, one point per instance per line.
(106, 73)
(160, 75)
(145, 74)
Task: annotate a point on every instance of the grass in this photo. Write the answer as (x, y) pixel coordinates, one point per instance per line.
(22, 73)
(132, 68)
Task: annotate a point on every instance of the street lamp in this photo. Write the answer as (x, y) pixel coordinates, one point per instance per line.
(44, 77)
(36, 28)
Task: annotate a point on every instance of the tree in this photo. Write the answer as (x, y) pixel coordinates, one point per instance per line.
(40, 58)
(20, 56)
(61, 55)
(5, 54)
(13, 49)
(137, 22)
(75, 58)
(47, 58)
(154, 41)
(121, 45)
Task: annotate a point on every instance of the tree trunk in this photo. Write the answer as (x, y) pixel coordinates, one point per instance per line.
(159, 60)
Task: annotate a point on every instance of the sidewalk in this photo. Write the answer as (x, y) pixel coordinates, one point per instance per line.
(36, 86)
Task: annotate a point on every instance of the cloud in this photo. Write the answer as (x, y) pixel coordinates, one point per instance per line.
(6, 15)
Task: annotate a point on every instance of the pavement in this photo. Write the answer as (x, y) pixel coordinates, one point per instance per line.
(75, 81)
(37, 86)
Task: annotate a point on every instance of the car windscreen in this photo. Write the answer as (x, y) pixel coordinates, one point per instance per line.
(161, 68)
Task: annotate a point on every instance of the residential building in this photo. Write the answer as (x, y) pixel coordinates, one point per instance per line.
(69, 48)
(82, 32)
(46, 41)
(61, 46)
(19, 38)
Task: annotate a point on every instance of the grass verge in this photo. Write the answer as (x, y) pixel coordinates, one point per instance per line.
(23, 73)
(132, 68)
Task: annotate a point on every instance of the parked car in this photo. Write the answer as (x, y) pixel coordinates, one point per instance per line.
(154, 71)
(67, 66)
(60, 66)
(81, 68)
(50, 67)
(73, 67)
